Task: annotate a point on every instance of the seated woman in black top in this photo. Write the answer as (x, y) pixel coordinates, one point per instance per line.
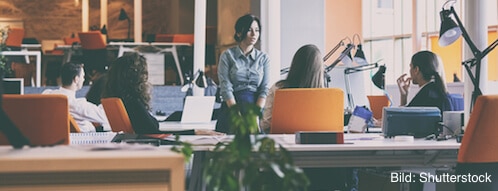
(127, 79)
(424, 73)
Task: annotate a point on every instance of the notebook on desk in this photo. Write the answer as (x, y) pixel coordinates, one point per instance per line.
(197, 109)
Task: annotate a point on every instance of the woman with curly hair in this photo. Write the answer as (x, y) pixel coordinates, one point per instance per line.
(128, 80)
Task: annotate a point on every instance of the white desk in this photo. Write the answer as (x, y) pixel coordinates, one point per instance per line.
(88, 168)
(28, 53)
(360, 150)
(162, 46)
(176, 125)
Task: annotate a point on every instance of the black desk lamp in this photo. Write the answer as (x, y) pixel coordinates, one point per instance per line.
(124, 16)
(449, 33)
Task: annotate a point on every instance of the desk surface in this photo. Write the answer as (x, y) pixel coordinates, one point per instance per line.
(360, 150)
(149, 44)
(91, 167)
(177, 125)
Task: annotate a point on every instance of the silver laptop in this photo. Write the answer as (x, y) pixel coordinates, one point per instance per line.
(198, 109)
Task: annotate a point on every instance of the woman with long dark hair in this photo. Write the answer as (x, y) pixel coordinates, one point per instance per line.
(306, 71)
(424, 72)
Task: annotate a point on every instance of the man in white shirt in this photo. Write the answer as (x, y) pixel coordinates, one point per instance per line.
(85, 113)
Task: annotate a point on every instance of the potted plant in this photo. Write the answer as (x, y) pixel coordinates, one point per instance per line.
(250, 162)
(5, 69)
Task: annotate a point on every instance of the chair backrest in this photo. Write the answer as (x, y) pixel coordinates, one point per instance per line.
(15, 37)
(42, 118)
(187, 38)
(92, 40)
(73, 125)
(117, 115)
(71, 40)
(308, 109)
(377, 103)
(164, 38)
(479, 143)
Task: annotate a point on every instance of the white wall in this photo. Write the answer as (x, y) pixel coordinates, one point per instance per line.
(302, 22)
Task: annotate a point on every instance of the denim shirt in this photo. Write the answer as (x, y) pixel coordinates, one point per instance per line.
(238, 72)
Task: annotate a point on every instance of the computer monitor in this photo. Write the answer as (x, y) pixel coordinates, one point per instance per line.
(13, 85)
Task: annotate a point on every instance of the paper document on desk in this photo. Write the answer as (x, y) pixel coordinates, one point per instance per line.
(203, 139)
(91, 138)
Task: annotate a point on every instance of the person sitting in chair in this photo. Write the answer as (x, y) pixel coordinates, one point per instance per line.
(90, 117)
(424, 72)
(127, 79)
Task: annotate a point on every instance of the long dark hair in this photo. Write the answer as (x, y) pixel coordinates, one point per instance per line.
(128, 79)
(306, 69)
(428, 65)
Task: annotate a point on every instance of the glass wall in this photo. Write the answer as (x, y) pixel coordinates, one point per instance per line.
(388, 27)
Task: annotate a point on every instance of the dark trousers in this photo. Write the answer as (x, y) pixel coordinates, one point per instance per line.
(243, 99)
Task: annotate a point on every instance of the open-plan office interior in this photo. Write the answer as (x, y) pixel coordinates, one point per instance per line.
(180, 39)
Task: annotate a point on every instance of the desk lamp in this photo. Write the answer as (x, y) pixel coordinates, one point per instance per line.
(345, 57)
(124, 16)
(352, 70)
(449, 33)
(359, 56)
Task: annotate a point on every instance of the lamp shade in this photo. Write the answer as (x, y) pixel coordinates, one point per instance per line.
(449, 31)
(123, 15)
(378, 78)
(359, 56)
(347, 60)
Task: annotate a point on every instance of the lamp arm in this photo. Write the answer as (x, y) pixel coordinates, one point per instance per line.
(329, 54)
(344, 53)
(475, 51)
(489, 48)
(351, 70)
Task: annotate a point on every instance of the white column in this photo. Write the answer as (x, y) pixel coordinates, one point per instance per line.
(85, 9)
(416, 34)
(137, 20)
(103, 13)
(199, 41)
(475, 23)
(270, 35)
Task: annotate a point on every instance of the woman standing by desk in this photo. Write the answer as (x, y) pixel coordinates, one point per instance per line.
(243, 71)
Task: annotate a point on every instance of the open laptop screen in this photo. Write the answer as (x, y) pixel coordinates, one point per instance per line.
(198, 109)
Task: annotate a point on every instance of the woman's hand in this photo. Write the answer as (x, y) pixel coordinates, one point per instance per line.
(403, 85)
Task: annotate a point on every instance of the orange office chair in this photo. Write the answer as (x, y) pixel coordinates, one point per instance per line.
(94, 56)
(42, 118)
(73, 126)
(478, 151)
(19, 63)
(187, 38)
(377, 103)
(308, 109)
(117, 115)
(119, 119)
(15, 37)
(163, 38)
(71, 40)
